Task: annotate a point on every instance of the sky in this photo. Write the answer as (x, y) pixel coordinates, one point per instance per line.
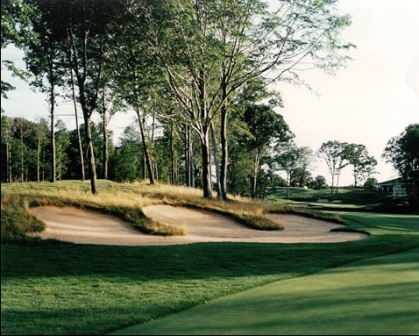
(375, 97)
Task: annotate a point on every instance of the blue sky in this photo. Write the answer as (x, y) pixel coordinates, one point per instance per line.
(371, 100)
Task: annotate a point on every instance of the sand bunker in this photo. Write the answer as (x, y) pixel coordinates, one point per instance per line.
(89, 227)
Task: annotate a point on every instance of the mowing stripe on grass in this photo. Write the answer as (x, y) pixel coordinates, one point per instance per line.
(378, 296)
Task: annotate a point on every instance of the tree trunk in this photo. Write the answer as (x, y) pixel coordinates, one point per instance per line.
(333, 182)
(21, 154)
(255, 172)
(217, 167)
(145, 149)
(337, 182)
(83, 177)
(224, 152)
(172, 157)
(105, 146)
(154, 164)
(38, 161)
(52, 136)
(206, 167)
(90, 155)
(205, 149)
(189, 173)
(172, 165)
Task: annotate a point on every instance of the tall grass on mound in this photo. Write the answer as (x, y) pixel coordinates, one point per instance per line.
(15, 220)
(125, 200)
(123, 204)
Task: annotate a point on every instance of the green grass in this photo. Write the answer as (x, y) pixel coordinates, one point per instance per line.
(56, 288)
(346, 199)
(361, 298)
(346, 195)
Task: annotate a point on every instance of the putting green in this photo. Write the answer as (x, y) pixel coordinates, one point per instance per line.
(377, 296)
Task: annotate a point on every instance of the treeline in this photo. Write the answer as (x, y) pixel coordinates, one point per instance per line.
(257, 152)
(198, 70)
(261, 144)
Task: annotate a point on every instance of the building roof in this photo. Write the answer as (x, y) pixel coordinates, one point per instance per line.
(391, 182)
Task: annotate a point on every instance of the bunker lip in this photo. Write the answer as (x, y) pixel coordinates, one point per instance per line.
(89, 227)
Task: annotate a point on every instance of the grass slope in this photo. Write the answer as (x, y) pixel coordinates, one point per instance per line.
(376, 296)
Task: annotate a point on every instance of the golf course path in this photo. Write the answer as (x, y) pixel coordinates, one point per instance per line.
(89, 227)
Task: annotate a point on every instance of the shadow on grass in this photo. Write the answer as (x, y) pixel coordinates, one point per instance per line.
(200, 260)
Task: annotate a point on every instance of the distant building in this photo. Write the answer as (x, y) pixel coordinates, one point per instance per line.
(395, 187)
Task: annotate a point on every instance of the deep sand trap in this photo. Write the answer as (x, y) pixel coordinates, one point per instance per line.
(89, 227)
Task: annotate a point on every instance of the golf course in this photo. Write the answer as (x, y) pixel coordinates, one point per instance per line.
(364, 283)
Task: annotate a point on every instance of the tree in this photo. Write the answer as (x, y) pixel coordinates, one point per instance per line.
(301, 176)
(79, 142)
(137, 74)
(293, 160)
(44, 59)
(81, 27)
(335, 155)
(403, 152)
(371, 183)
(63, 141)
(211, 49)
(109, 104)
(127, 160)
(318, 183)
(22, 138)
(266, 128)
(16, 29)
(363, 164)
(6, 149)
(41, 134)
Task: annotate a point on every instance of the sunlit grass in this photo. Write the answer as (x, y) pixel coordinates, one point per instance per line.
(126, 201)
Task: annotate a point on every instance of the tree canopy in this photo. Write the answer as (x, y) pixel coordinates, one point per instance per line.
(194, 63)
(403, 152)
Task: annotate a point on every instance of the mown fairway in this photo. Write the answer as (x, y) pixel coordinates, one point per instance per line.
(58, 288)
(362, 298)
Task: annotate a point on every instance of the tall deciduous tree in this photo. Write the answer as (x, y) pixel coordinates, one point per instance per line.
(334, 154)
(224, 44)
(81, 26)
(16, 29)
(266, 128)
(44, 58)
(363, 163)
(292, 159)
(403, 152)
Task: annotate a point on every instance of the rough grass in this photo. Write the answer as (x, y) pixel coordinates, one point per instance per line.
(125, 200)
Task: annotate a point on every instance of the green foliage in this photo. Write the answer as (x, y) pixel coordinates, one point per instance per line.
(371, 183)
(363, 164)
(333, 152)
(403, 152)
(293, 160)
(318, 183)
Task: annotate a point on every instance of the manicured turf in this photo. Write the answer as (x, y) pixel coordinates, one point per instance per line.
(378, 296)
